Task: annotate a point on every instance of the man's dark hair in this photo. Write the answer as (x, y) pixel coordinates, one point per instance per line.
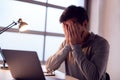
(72, 11)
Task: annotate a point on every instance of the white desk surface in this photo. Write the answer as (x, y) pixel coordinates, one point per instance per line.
(6, 75)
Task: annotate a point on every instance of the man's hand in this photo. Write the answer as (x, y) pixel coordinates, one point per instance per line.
(73, 33)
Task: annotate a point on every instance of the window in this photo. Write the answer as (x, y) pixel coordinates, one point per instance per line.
(53, 24)
(66, 3)
(22, 41)
(45, 33)
(52, 45)
(33, 14)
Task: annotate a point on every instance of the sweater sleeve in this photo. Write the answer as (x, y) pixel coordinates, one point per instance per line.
(94, 68)
(55, 61)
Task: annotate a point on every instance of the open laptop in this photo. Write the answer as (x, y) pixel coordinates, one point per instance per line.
(25, 65)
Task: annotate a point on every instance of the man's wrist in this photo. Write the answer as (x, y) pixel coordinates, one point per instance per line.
(68, 47)
(75, 46)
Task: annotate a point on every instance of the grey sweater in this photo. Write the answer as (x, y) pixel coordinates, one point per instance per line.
(84, 62)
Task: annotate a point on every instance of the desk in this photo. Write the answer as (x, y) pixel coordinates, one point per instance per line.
(6, 75)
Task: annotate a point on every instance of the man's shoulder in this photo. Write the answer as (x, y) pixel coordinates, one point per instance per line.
(100, 39)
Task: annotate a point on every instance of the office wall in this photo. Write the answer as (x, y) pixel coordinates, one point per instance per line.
(105, 20)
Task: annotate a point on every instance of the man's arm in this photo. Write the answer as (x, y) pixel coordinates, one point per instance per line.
(92, 69)
(55, 61)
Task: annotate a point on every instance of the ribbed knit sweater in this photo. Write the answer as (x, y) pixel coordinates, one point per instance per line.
(86, 61)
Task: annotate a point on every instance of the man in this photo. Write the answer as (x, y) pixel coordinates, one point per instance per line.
(85, 54)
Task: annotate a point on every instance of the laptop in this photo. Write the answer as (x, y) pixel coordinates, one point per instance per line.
(25, 65)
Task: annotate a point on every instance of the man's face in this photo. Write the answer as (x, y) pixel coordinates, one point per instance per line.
(74, 31)
(72, 24)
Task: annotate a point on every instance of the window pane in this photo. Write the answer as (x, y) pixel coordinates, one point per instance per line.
(52, 45)
(66, 3)
(33, 14)
(53, 24)
(22, 42)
